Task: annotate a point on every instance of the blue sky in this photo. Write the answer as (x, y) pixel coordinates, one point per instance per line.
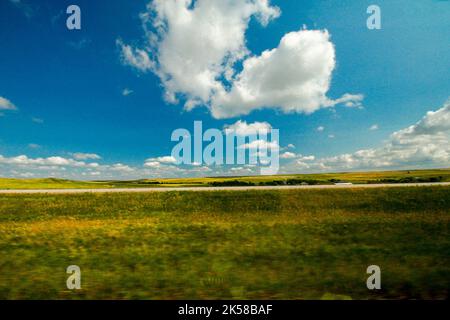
(62, 91)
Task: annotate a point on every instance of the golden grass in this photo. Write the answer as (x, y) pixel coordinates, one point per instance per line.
(290, 244)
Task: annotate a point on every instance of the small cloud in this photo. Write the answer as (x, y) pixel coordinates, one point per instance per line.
(5, 104)
(352, 100)
(288, 155)
(320, 129)
(290, 146)
(127, 92)
(122, 168)
(167, 160)
(241, 170)
(331, 136)
(33, 146)
(37, 120)
(57, 17)
(242, 128)
(80, 44)
(307, 158)
(352, 104)
(260, 145)
(27, 10)
(152, 164)
(86, 156)
(135, 57)
(159, 161)
(373, 127)
(26, 175)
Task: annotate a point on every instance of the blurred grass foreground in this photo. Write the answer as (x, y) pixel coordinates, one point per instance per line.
(266, 244)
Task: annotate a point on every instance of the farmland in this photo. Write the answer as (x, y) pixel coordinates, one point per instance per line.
(409, 176)
(259, 244)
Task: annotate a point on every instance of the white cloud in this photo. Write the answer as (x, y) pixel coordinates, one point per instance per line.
(373, 127)
(37, 120)
(294, 77)
(306, 158)
(241, 128)
(331, 136)
(152, 164)
(50, 161)
(241, 170)
(135, 57)
(157, 162)
(193, 48)
(122, 167)
(26, 175)
(33, 146)
(288, 155)
(167, 160)
(320, 129)
(56, 166)
(80, 44)
(86, 156)
(5, 104)
(299, 157)
(127, 92)
(350, 100)
(27, 10)
(260, 145)
(425, 144)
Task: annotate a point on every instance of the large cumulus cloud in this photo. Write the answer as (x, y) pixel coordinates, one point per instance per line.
(194, 48)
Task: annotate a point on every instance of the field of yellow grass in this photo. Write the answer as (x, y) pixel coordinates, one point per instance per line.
(266, 244)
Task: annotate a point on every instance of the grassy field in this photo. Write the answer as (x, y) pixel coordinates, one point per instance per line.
(287, 244)
(435, 175)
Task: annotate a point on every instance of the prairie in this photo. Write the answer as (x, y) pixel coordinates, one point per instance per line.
(277, 244)
(435, 175)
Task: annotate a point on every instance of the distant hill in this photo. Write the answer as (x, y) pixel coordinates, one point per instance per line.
(404, 176)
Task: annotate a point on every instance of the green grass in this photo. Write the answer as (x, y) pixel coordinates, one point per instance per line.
(435, 175)
(53, 183)
(288, 244)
